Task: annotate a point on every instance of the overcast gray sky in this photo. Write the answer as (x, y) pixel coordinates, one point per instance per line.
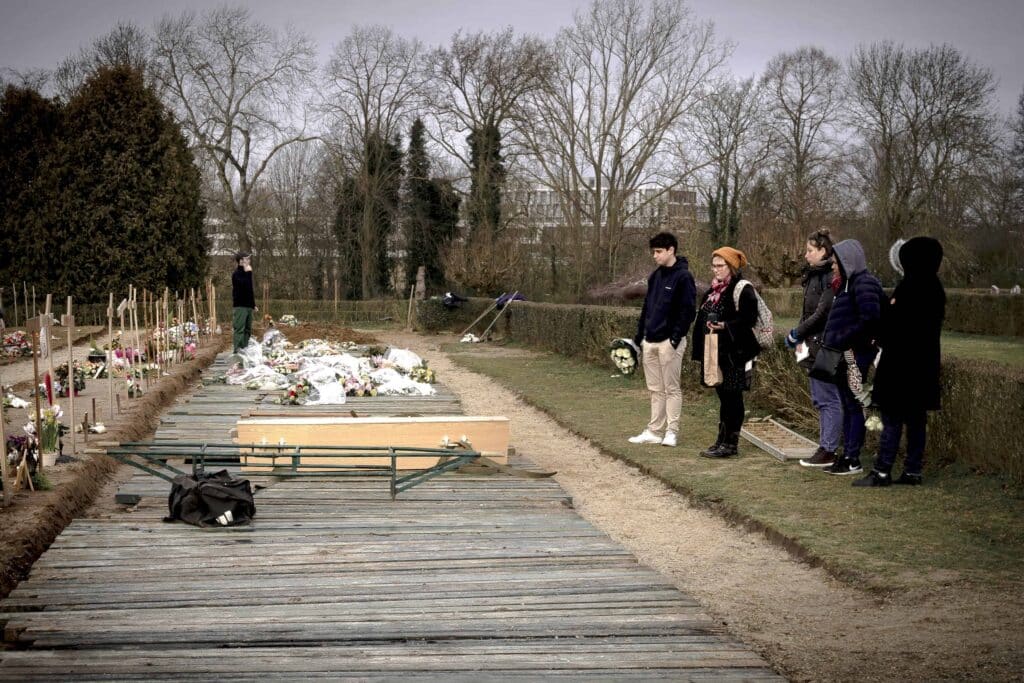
(40, 33)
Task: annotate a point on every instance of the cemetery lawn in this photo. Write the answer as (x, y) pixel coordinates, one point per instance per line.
(957, 529)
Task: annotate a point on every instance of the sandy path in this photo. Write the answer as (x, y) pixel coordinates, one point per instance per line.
(21, 371)
(809, 625)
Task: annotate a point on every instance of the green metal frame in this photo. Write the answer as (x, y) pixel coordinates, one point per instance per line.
(154, 459)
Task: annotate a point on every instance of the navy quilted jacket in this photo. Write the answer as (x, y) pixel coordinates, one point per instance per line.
(857, 309)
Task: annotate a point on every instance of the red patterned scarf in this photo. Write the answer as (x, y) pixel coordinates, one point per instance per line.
(717, 287)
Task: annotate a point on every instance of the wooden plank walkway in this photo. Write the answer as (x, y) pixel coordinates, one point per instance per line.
(464, 578)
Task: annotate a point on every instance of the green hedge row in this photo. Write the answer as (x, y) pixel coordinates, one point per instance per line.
(971, 312)
(981, 400)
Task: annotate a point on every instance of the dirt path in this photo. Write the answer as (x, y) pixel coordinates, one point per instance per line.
(15, 373)
(809, 625)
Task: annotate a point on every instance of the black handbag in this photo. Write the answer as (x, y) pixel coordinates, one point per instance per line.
(826, 364)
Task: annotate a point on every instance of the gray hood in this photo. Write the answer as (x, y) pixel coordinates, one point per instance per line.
(851, 258)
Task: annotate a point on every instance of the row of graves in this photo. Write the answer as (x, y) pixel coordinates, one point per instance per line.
(41, 425)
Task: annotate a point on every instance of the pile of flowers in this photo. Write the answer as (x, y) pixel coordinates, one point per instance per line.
(17, 344)
(288, 320)
(624, 354)
(325, 372)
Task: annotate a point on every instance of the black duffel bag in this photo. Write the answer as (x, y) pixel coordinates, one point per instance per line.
(216, 499)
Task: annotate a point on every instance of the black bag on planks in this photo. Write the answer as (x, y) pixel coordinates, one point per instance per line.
(216, 499)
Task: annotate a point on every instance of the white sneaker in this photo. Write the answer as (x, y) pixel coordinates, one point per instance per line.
(645, 436)
(669, 440)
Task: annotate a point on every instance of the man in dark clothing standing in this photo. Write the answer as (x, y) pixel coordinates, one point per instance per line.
(669, 310)
(243, 301)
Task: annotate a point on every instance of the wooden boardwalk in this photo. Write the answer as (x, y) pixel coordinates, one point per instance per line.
(464, 578)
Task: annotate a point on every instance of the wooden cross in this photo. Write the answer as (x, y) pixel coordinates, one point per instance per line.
(68, 321)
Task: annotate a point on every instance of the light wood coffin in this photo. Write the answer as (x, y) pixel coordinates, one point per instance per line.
(487, 435)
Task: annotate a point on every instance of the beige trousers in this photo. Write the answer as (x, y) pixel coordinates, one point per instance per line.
(662, 369)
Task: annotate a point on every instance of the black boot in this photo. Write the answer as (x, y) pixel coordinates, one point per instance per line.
(729, 447)
(718, 442)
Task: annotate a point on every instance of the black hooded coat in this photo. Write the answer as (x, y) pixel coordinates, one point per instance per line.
(907, 379)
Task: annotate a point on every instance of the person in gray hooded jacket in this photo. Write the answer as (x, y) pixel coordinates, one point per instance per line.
(852, 325)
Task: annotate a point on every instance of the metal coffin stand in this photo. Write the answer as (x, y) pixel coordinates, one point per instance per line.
(287, 461)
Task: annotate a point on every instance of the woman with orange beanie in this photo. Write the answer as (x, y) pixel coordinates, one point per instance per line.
(729, 310)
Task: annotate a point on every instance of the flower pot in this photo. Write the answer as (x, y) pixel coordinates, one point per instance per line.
(49, 458)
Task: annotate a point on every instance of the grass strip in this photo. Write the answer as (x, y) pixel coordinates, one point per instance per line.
(959, 528)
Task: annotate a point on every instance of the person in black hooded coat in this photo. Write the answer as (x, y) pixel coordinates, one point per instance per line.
(907, 379)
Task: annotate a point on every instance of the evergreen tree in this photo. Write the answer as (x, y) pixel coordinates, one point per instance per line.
(29, 126)
(364, 224)
(487, 171)
(431, 214)
(127, 203)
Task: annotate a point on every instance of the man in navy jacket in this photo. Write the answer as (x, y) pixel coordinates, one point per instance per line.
(669, 310)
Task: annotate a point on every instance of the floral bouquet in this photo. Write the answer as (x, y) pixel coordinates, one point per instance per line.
(289, 320)
(359, 386)
(51, 428)
(422, 374)
(61, 378)
(625, 355)
(295, 394)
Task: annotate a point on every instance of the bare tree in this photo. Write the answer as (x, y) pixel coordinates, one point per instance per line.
(374, 87)
(126, 45)
(924, 117)
(476, 83)
(804, 95)
(731, 131)
(238, 88)
(603, 127)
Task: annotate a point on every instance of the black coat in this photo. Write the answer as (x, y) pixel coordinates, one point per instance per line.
(907, 379)
(736, 343)
(818, 298)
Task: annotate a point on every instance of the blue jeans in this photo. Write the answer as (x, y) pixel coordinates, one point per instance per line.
(889, 442)
(853, 411)
(825, 397)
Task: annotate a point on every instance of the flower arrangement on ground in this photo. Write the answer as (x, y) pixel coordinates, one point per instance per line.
(295, 394)
(422, 374)
(288, 320)
(60, 379)
(51, 428)
(17, 344)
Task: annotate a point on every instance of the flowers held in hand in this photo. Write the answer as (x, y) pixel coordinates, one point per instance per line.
(873, 423)
(624, 354)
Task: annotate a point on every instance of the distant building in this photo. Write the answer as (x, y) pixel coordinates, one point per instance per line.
(539, 208)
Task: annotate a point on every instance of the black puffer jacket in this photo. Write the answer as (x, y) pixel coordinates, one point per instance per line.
(818, 298)
(907, 379)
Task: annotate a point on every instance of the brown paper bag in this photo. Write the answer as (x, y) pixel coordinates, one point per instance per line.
(712, 373)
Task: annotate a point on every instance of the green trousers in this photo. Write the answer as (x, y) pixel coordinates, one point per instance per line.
(241, 323)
